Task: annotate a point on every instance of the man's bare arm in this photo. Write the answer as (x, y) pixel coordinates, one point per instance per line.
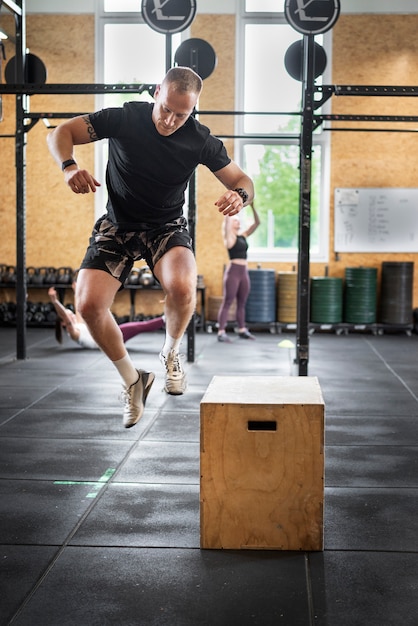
(232, 177)
(61, 142)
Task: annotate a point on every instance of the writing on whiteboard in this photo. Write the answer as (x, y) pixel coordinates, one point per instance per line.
(376, 220)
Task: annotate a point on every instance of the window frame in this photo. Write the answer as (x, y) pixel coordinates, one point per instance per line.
(319, 138)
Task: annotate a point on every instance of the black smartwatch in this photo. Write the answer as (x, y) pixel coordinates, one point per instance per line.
(67, 163)
(241, 192)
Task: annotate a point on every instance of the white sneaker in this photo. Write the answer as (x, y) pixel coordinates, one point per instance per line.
(175, 379)
(134, 398)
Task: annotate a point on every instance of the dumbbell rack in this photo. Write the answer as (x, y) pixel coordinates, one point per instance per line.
(41, 315)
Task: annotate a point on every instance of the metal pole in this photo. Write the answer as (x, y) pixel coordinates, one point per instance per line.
(20, 150)
(302, 347)
(191, 219)
(168, 52)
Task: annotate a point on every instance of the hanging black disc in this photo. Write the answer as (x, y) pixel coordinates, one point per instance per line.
(35, 71)
(197, 54)
(293, 60)
(174, 18)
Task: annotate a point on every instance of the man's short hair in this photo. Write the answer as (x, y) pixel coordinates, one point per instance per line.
(185, 79)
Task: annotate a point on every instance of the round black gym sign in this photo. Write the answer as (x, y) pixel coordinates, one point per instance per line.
(168, 16)
(312, 17)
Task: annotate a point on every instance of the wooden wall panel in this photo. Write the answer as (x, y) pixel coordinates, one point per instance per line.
(7, 170)
(218, 95)
(58, 222)
(374, 50)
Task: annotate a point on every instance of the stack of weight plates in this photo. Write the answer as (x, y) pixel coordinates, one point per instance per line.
(360, 295)
(396, 293)
(326, 300)
(261, 303)
(287, 291)
(214, 304)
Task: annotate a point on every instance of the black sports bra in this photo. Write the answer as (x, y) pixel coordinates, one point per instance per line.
(239, 249)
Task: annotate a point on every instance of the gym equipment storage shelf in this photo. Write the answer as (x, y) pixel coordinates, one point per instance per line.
(7, 316)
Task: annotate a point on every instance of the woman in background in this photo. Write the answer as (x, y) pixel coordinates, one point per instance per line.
(236, 282)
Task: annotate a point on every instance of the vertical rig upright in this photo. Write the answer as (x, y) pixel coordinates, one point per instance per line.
(302, 343)
(20, 160)
(308, 18)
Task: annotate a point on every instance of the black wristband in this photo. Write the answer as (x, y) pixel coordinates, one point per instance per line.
(241, 192)
(67, 163)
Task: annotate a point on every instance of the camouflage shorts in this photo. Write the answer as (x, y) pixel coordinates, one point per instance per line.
(115, 251)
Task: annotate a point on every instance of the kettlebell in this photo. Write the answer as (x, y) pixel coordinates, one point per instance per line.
(30, 273)
(50, 276)
(64, 275)
(10, 275)
(146, 278)
(133, 278)
(39, 275)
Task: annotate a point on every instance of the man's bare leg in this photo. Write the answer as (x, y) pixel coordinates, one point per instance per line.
(95, 293)
(176, 271)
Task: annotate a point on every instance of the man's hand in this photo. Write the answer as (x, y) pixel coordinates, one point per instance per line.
(230, 203)
(80, 181)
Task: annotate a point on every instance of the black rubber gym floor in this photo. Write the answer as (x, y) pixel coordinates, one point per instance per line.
(100, 525)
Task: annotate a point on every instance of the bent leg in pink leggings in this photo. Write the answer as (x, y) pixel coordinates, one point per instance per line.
(131, 329)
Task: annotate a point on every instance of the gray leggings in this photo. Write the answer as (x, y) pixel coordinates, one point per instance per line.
(236, 284)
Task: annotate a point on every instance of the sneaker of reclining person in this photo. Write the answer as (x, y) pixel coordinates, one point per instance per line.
(175, 378)
(134, 398)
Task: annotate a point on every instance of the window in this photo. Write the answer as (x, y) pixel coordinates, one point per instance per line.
(122, 6)
(125, 62)
(261, 6)
(269, 134)
(128, 50)
(274, 167)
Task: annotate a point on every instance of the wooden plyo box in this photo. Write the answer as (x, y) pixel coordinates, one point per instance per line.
(262, 463)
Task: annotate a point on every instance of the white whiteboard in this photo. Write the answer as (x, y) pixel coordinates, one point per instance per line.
(376, 220)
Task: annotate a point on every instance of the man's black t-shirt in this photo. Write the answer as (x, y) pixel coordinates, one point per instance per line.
(147, 173)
